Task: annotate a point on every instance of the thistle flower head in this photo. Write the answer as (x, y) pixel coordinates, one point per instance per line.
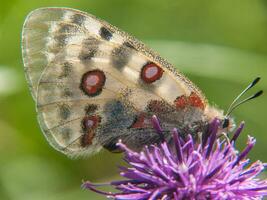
(184, 169)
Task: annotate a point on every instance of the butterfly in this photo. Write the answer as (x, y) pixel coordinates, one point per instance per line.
(94, 84)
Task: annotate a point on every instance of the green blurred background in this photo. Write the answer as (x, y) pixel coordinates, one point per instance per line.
(221, 45)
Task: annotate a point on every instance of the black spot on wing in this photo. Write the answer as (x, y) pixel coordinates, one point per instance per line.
(64, 111)
(105, 33)
(60, 40)
(67, 93)
(86, 56)
(119, 115)
(66, 133)
(67, 28)
(120, 56)
(66, 70)
(89, 50)
(127, 44)
(61, 36)
(90, 108)
(78, 19)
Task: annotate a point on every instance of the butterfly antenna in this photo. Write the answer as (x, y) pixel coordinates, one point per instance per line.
(259, 93)
(252, 84)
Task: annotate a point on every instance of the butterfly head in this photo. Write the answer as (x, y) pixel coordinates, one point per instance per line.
(227, 124)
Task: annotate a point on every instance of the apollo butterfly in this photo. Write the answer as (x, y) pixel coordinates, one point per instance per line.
(94, 84)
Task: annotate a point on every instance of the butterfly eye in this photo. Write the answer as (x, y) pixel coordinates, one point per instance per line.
(151, 72)
(93, 82)
(225, 123)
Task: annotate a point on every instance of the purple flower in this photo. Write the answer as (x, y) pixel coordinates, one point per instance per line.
(187, 170)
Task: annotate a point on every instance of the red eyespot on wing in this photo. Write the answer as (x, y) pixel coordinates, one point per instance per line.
(87, 139)
(141, 121)
(181, 102)
(193, 100)
(196, 101)
(89, 123)
(151, 72)
(93, 82)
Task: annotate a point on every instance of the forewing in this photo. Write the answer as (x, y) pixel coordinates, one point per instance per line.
(92, 82)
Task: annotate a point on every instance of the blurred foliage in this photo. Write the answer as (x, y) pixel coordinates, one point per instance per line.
(221, 45)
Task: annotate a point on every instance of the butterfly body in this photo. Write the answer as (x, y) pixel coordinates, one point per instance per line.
(94, 84)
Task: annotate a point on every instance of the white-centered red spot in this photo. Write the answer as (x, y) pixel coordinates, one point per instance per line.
(151, 72)
(89, 124)
(93, 82)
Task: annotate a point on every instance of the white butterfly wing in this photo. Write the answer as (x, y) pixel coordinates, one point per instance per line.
(90, 79)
